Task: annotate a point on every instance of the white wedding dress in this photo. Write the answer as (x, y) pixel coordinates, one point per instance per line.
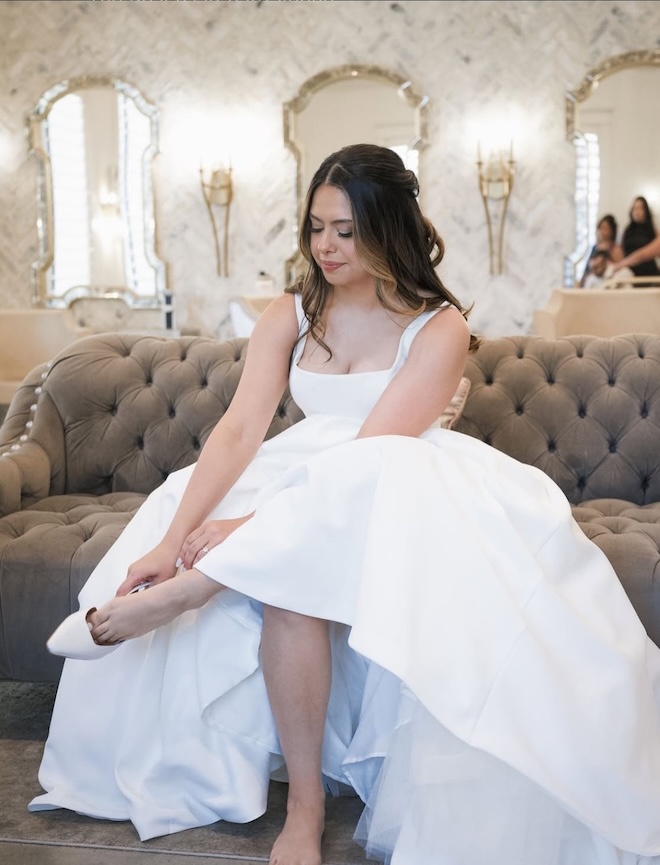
(495, 699)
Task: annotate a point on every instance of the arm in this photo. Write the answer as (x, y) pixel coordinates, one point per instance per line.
(424, 386)
(639, 256)
(233, 441)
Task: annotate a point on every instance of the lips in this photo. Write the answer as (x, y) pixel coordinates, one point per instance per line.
(331, 266)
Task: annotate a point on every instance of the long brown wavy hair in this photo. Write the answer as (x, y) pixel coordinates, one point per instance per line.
(396, 244)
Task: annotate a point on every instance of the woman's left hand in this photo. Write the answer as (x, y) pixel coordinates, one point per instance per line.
(207, 536)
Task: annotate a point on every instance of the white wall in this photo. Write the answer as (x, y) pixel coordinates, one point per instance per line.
(220, 73)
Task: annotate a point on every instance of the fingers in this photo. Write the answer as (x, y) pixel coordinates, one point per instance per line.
(196, 552)
(198, 544)
(100, 629)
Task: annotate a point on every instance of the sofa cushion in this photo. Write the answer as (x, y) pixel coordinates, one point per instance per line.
(47, 552)
(584, 410)
(629, 535)
(141, 408)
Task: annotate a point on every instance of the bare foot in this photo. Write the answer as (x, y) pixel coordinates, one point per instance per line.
(134, 615)
(299, 842)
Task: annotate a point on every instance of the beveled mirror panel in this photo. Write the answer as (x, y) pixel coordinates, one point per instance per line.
(613, 119)
(95, 140)
(350, 105)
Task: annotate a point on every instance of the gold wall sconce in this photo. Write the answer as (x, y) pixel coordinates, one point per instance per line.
(495, 185)
(218, 192)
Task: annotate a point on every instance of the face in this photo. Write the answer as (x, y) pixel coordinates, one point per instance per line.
(604, 232)
(599, 265)
(331, 238)
(638, 211)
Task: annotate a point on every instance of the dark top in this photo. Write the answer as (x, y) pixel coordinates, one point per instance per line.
(634, 237)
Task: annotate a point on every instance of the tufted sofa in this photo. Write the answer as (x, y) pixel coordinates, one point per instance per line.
(91, 433)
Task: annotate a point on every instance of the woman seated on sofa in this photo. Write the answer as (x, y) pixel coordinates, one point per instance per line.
(364, 600)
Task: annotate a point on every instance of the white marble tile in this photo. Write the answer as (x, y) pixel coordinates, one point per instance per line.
(233, 64)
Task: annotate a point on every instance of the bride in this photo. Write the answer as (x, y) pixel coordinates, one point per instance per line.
(365, 600)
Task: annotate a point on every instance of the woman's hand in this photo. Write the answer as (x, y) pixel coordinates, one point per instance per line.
(158, 565)
(207, 536)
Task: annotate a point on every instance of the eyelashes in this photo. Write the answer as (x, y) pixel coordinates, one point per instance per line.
(344, 234)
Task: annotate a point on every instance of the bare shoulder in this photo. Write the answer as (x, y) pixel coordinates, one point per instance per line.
(278, 322)
(447, 326)
(282, 307)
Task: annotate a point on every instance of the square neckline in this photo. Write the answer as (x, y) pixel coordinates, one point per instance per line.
(298, 352)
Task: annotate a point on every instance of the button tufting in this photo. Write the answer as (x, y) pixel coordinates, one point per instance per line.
(612, 447)
(552, 447)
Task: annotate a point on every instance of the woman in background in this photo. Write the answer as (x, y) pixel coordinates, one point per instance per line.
(639, 233)
(606, 234)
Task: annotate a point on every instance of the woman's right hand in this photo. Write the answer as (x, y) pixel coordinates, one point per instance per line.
(156, 566)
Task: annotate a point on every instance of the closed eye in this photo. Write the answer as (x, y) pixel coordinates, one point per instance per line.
(314, 230)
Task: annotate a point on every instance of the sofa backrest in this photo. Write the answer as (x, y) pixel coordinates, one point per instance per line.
(585, 410)
(118, 411)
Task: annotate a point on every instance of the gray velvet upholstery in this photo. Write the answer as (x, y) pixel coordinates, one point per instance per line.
(86, 438)
(89, 435)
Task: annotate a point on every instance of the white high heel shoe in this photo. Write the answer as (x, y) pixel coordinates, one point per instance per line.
(73, 639)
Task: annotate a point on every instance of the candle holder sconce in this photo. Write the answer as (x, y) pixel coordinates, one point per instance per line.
(495, 185)
(218, 193)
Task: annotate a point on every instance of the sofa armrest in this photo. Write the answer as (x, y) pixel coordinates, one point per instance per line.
(25, 473)
(26, 464)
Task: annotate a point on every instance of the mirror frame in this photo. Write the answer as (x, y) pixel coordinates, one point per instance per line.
(308, 89)
(586, 191)
(45, 218)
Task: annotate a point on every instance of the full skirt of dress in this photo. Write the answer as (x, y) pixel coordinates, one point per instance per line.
(495, 698)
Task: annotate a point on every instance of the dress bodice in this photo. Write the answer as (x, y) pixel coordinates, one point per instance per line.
(350, 394)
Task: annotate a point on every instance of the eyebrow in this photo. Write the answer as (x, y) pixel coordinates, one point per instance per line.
(334, 221)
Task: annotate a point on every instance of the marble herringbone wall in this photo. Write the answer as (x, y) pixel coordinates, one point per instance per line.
(227, 67)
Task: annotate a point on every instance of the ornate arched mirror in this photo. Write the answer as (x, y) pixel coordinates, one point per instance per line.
(95, 140)
(613, 119)
(350, 105)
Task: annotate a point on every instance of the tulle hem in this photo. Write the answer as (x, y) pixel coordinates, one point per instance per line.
(438, 801)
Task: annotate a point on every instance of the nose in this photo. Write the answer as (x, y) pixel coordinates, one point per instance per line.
(325, 240)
